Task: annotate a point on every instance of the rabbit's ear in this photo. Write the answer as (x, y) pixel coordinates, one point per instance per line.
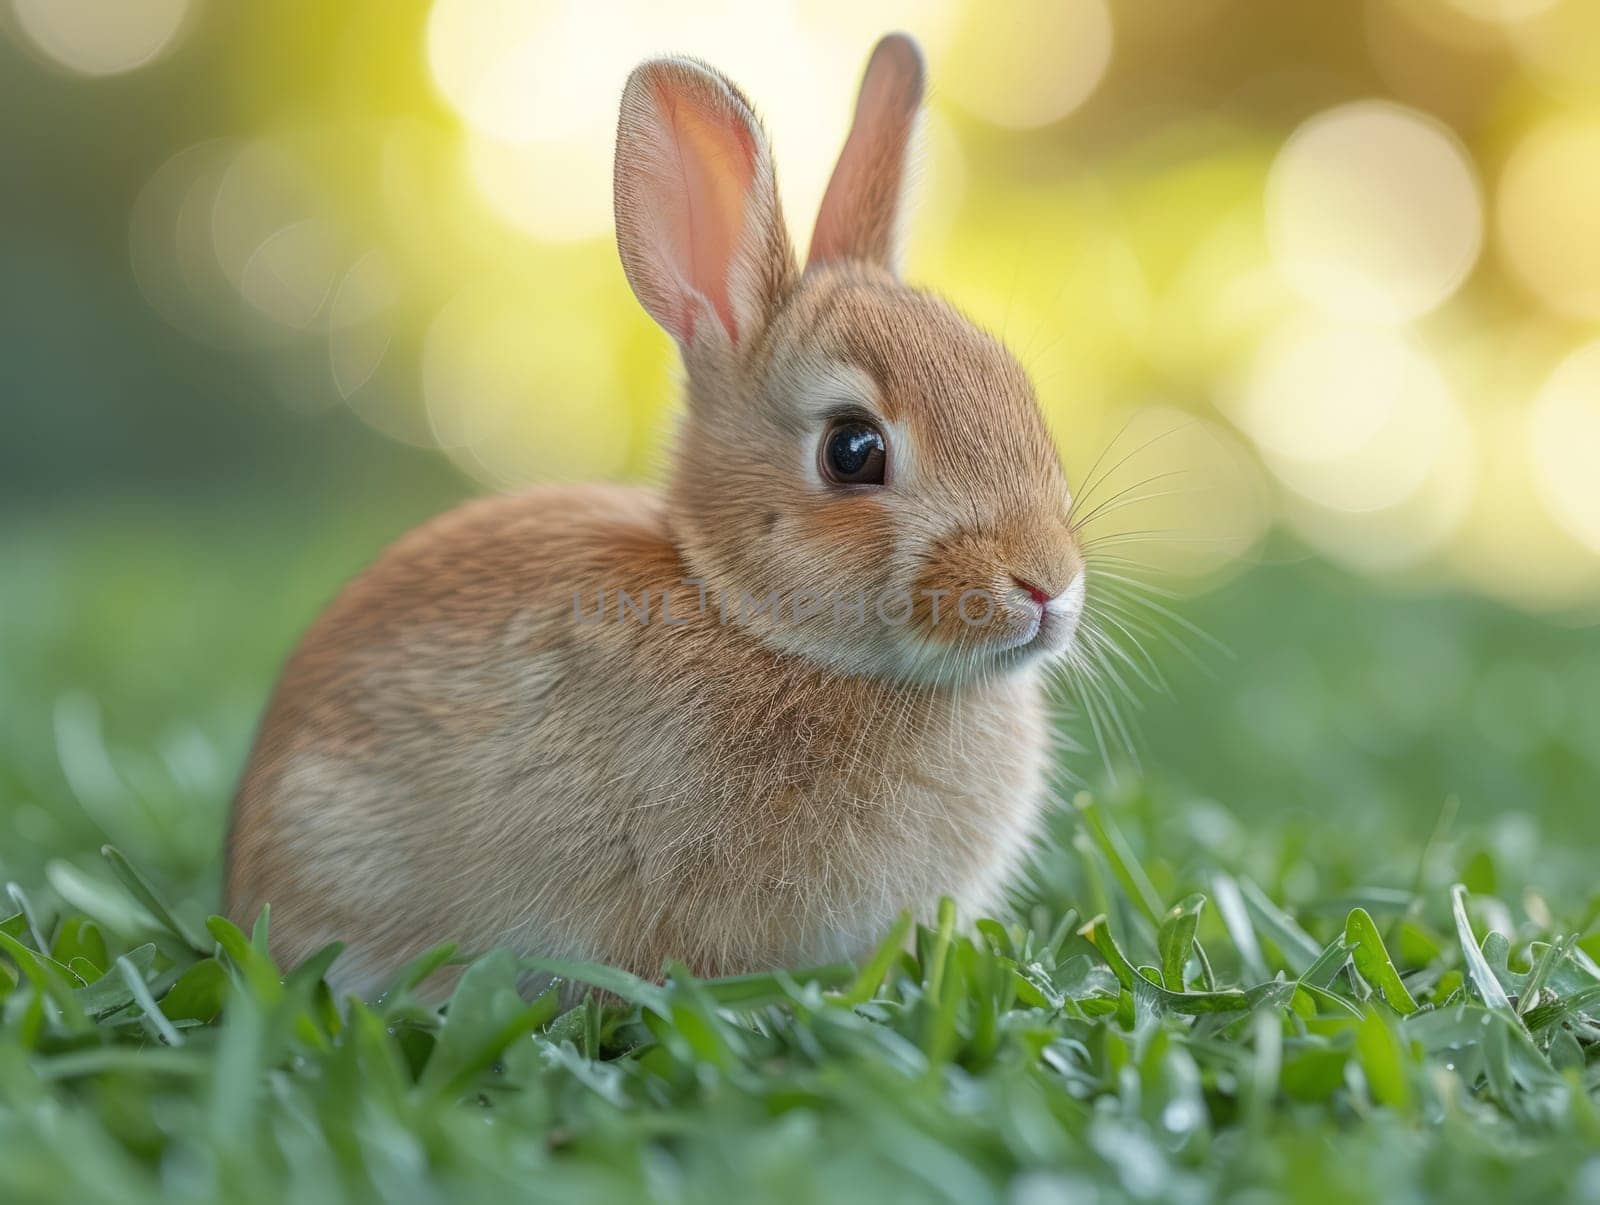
(698, 223)
(861, 210)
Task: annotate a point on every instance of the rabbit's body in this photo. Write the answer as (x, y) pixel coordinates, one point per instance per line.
(457, 750)
(553, 721)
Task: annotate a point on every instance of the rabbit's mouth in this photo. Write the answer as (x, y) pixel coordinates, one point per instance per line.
(1064, 612)
(1051, 624)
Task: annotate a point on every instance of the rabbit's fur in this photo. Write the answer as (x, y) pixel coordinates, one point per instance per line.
(477, 741)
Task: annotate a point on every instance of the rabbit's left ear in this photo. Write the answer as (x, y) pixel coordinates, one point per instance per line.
(860, 213)
(698, 223)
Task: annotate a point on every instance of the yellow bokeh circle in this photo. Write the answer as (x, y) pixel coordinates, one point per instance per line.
(1374, 212)
(1548, 228)
(1025, 65)
(1563, 441)
(102, 37)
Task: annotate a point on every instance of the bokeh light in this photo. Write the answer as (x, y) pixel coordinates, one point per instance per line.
(292, 274)
(1175, 494)
(1282, 259)
(1408, 536)
(1559, 42)
(1512, 548)
(557, 192)
(363, 325)
(1548, 233)
(1501, 10)
(1373, 212)
(526, 392)
(1029, 64)
(1564, 441)
(1351, 418)
(92, 37)
(271, 238)
(173, 248)
(485, 56)
(542, 125)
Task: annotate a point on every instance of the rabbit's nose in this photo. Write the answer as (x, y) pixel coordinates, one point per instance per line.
(1040, 596)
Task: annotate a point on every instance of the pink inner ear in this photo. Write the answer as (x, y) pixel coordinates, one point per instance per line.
(717, 157)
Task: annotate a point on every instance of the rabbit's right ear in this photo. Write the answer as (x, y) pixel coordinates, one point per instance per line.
(860, 215)
(698, 224)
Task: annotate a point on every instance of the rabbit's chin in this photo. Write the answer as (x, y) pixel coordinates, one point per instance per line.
(904, 660)
(1029, 640)
(1041, 644)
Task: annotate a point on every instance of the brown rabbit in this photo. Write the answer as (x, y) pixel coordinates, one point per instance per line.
(604, 723)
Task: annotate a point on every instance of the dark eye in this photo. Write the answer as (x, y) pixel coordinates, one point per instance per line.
(854, 453)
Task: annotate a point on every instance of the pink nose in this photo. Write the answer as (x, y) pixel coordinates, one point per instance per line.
(1038, 595)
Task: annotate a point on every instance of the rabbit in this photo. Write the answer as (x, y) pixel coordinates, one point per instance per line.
(603, 723)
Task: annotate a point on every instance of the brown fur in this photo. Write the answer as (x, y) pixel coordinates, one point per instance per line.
(457, 750)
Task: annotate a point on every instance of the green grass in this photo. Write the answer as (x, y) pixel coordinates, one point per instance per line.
(1336, 942)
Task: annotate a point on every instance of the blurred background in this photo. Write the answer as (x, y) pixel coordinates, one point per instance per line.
(1314, 290)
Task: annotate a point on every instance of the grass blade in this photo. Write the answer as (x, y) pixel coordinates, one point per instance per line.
(1553, 954)
(1297, 945)
(1230, 903)
(608, 979)
(1176, 939)
(1478, 970)
(878, 966)
(134, 978)
(1119, 854)
(145, 894)
(1373, 961)
(1098, 933)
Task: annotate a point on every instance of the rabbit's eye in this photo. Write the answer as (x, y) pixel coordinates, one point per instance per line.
(854, 453)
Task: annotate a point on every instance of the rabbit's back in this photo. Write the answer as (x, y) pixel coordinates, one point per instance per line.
(414, 750)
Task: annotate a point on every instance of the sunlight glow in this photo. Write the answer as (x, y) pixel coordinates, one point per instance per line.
(1417, 530)
(1557, 44)
(455, 282)
(1507, 11)
(1373, 211)
(1564, 441)
(1029, 64)
(1179, 494)
(522, 389)
(1352, 419)
(1549, 198)
(557, 192)
(1512, 547)
(541, 124)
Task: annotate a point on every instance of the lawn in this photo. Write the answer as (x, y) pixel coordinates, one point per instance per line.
(1333, 938)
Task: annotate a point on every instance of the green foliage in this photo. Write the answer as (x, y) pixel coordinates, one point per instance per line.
(955, 1064)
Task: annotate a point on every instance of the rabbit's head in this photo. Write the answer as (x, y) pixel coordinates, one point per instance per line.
(863, 476)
